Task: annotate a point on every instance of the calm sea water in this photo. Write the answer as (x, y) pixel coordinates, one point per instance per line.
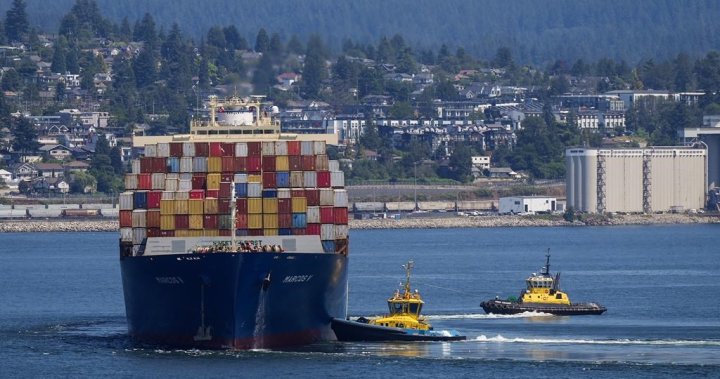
(62, 312)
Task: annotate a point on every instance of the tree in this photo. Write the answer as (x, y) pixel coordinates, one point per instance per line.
(25, 134)
(262, 41)
(314, 69)
(177, 58)
(145, 31)
(59, 57)
(264, 75)
(503, 57)
(461, 163)
(82, 181)
(16, 23)
(144, 68)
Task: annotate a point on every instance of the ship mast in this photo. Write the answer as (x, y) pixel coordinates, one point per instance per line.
(546, 269)
(408, 268)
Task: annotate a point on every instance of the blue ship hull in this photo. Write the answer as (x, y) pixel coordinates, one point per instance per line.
(234, 300)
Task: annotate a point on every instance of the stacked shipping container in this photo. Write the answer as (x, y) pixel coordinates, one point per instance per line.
(188, 189)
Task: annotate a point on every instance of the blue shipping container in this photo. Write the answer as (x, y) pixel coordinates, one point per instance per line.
(173, 164)
(285, 231)
(268, 193)
(140, 200)
(241, 190)
(282, 180)
(241, 232)
(299, 220)
(328, 246)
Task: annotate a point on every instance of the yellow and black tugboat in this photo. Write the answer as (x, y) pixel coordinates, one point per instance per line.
(542, 295)
(403, 323)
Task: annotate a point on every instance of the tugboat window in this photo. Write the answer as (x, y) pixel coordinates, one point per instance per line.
(414, 308)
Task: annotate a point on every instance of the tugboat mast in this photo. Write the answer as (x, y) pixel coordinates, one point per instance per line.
(408, 268)
(546, 269)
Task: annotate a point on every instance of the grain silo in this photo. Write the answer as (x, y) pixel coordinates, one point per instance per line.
(635, 180)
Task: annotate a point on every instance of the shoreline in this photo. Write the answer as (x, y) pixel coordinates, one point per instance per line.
(29, 226)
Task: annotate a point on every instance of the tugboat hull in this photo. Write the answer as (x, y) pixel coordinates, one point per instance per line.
(509, 307)
(354, 331)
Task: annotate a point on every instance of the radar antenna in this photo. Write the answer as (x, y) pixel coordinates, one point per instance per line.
(546, 269)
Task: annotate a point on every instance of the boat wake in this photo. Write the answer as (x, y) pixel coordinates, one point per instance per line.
(501, 339)
(483, 316)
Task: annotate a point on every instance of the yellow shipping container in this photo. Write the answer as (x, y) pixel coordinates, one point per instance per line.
(270, 232)
(195, 207)
(270, 221)
(195, 221)
(211, 206)
(270, 205)
(282, 163)
(195, 233)
(167, 222)
(213, 181)
(254, 178)
(181, 233)
(299, 204)
(214, 164)
(211, 232)
(181, 207)
(255, 221)
(167, 207)
(255, 205)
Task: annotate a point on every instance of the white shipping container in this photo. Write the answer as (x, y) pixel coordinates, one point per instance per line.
(337, 179)
(171, 184)
(131, 181)
(283, 193)
(163, 149)
(135, 166)
(188, 149)
(184, 185)
(151, 151)
(126, 201)
(310, 179)
(240, 178)
(182, 195)
(297, 179)
(168, 195)
(334, 165)
(138, 218)
(268, 148)
(319, 147)
(306, 148)
(138, 235)
(186, 164)
(327, 231)
(158, 181)
(172, 175)
(313, 215)
(185, 176)
(341, 232)
(126, 234)
(340, 198)
(281, 148)
(199, 164)
(327, 197)
(254, 190)
(241, 149)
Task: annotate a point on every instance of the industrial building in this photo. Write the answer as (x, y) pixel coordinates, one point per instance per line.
(527, 205)
(645, 180)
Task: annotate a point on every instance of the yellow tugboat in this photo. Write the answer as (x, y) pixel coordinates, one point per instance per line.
(403, 323)
(542, 295)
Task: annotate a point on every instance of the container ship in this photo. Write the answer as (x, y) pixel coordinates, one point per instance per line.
(234, 235)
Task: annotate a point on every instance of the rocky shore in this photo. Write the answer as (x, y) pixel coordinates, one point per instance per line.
(403, 223)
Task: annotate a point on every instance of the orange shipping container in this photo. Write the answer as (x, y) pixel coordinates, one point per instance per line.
(241, 221)
(153, 219)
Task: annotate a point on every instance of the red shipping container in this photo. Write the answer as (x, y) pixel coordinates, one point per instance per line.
(240, 164)
(167, 233)
(216, 149)
(176, 149)
(224, 233)
(153, 232)
(198, 181)
(210, 221)
(160, 165)
(225, 190)
(224, 206)
(227, 176)
(285, 220)
(254, 149)
(297, 193)
(212, 193)
(293, 147)
(327, 215)
(182, 222)
(313, 197)
(308, 162)
(323, 179)
(284, 206)
(144, 182)
(125, 219)
(228, 164)
(146, 165)
(254, 163)
(197, 194)
(202, 149)
(152, 219)
(228, 149)
(340, 215)
(255, 232)
(299, 231)
(312, 230)
(153, 201)
(295, 162)
(268, 163)
(269, 179)
(241, 206)
(241, 221)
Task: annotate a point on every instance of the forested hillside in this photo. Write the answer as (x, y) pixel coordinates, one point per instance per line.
(537, 32)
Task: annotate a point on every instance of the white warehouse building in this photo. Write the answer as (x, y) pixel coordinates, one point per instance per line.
(636, 180)
(526, 204)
